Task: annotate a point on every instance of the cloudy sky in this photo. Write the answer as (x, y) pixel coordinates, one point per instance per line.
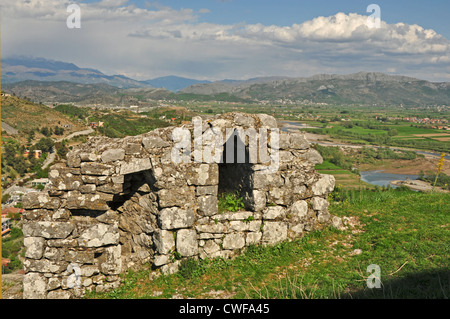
(234, 39)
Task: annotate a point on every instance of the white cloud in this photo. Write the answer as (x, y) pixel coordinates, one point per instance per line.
(117, 37)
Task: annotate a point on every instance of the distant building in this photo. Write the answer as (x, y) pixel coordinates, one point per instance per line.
(39, 181)
(6, 226)
(10, 211)
(97, 124)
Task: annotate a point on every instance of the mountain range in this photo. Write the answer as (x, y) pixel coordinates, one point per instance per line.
(54, 81)
(17, 69)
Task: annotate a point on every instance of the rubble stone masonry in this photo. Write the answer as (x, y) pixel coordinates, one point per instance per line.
(119, 204)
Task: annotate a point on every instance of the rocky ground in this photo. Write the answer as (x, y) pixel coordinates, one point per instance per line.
(12, 285)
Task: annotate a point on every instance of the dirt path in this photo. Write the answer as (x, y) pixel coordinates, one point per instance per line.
(84, 132)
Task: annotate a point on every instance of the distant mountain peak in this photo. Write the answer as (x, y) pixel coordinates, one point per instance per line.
(21, 68)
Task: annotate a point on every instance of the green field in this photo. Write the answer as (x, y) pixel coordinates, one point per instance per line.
(344, 178)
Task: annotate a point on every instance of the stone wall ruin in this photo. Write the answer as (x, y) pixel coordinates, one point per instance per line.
(119, 204)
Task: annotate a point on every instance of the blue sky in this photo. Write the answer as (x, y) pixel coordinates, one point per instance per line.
(237, 39)
(429, 14)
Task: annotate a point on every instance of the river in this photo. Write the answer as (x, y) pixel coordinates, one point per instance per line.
(381, 178)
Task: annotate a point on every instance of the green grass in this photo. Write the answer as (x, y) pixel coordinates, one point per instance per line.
(405, 233)
(326, 165)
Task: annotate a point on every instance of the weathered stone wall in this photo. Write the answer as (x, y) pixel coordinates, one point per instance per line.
(117, 204)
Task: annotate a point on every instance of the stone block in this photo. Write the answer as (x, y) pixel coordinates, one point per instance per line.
(73, 159)
(207, 190)
(154, 142)
(230, 216)
(87, 189)
(274, 232)
(187, 243)
(136, 165)
(110, 188)
(97, 201)
(312, 156)
(267, 121)
(175, 197)
(34, 286)
(44, 266)
(203, 174)
(88, 157)
(213, 228)
(99, 235)
(296, 231)
(175, 218)
(238, 226)
(274, 212)
(133, 149)
(299, 210)
(210, 247)
(34, 247)
(164, 241)
(110, 261)
(253, 238)
(207, 205)
(298, 142)
(319, 204)
(37, 200)
(113, 155)
(256, 200)
(244, 120)
(48, 230)
(234, 241)
(324, 185)
(161, 260)
(96, 169)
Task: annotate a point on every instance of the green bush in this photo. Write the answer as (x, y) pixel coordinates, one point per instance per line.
(230, 202)
(191, 268)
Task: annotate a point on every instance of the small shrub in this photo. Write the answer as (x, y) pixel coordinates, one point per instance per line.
(191, 268)
(230, 202)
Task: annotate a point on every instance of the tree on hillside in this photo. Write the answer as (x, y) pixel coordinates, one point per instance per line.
(45, 144)
(45, 131)
(58, 130)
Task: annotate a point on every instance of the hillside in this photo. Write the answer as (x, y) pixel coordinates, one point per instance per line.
(360, 88)
(25, 116)
(173, 83)
(21, 68)
(16, 69)
(68, 92)
(364, 88)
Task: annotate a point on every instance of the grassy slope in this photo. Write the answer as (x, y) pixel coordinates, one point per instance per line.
(25, 116)
(405, 233)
